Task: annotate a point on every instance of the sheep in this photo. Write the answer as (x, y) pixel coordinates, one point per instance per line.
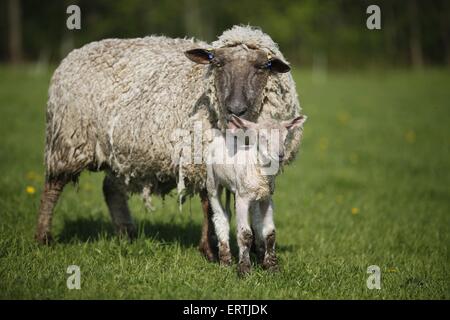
(249, 171)
(114, 105)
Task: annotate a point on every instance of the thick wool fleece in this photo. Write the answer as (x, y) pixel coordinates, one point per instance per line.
(114, 105)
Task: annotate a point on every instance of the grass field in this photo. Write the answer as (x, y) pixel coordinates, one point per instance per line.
(370, 187)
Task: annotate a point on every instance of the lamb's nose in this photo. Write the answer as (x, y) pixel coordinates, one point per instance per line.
(281, 156)
(237, 112)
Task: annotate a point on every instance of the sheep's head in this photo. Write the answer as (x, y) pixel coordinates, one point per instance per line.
(271, 135)
(240, 76)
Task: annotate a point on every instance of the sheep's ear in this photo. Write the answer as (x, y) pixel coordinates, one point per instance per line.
(202, 56)
(295, 123)
(278, 65)
(240, 123)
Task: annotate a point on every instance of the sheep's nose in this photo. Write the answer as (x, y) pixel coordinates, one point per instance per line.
(241, 113)
(281, 156)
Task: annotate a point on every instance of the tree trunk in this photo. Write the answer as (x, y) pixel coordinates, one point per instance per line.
(415, 41)
(445, 25)
(198, 20)
(15, 31)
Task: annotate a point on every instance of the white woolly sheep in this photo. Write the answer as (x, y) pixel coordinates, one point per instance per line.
(114, 104)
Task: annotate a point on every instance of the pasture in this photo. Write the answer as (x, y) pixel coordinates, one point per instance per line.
(369, 187)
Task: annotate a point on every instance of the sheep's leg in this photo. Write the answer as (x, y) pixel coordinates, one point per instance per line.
(208, 240)
(244, 235)
(270, 261)
(116, 199)
(52, 190)
(259, 246)
(222, 228)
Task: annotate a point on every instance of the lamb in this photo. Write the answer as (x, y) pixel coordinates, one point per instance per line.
(114, 105)
(248, 171)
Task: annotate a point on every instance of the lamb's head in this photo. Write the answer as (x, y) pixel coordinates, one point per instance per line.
(240, 75)
(271, 135)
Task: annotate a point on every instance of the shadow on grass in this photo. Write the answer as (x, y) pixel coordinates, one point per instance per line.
(187, 235)
(95, 229)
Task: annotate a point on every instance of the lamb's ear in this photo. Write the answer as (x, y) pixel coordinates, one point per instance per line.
(240, 123)
(278, 65)
(295, 123)
(202, 56)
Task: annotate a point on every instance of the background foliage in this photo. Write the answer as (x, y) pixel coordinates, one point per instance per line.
(310, 32)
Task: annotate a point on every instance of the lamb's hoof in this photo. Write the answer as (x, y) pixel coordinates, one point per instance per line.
(226, 260)
(270, 263)
(272, 268)
(44, 238)
(244, 269)
(225, 255)
(260, 253)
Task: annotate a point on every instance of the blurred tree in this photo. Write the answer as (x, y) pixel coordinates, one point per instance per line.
(15, 31)
(325, 33)
(415, 41)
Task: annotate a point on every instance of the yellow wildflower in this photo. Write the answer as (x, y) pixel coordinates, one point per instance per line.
(30, 190)
(323, 144)
(355, 210)
(343, 118)
(410, 136)
(354, 158)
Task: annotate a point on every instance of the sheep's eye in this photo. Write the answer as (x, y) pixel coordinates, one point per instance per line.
(267, 65)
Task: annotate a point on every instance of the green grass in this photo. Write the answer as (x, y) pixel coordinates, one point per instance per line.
(370, 187)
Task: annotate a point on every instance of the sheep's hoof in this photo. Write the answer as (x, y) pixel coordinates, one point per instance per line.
(206, 251)
(44, 238)
(244, 269)
(127, 230)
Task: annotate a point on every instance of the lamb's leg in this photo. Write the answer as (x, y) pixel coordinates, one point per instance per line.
(222, 228)
(244, 235)
(208, 241)
(52, 189)
(116, 199)
(270, 261)
(259, 245)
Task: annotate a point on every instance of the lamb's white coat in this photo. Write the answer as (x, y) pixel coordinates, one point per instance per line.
(241, 169)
